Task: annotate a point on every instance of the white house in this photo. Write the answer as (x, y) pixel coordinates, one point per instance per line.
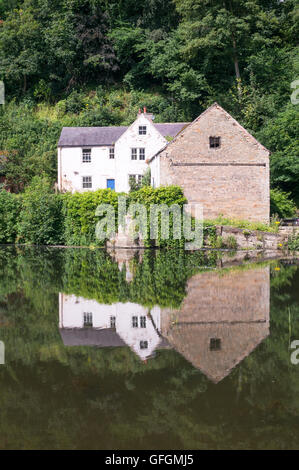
(87, 322)
(91, 158)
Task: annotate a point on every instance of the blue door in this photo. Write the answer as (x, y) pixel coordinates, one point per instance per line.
(111, 184)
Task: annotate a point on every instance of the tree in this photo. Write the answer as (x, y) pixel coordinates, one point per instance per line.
(20, 48)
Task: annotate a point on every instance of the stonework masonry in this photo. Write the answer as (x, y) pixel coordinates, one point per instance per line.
(232, 180)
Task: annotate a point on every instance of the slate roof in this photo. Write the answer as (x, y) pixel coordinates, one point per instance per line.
(102, 136)
(105, 337)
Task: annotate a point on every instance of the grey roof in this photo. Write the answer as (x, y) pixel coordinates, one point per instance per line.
(100, 136)
(170, 129)
(84, 136)
(91, 337)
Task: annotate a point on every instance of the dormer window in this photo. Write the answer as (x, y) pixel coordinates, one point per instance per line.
(214, 142)
(142, 130)
(86, 155)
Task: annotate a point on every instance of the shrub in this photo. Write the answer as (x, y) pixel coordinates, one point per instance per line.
(293, 243)
(282, 204)
(41, 220)
(10, 206)
(80, 219)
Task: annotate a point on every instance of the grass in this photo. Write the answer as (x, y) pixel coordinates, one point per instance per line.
(244, 224)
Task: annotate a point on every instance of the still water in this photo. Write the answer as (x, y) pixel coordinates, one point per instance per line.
(147, 350)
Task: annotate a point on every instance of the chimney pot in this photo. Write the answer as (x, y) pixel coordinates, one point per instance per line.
(139, 112)
(144, 110)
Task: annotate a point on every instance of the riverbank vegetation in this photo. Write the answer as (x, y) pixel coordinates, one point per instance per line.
(39, 216)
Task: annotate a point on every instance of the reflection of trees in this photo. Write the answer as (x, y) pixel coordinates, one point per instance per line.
(58, 397)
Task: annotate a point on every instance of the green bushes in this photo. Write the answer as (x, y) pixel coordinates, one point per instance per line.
(39, 216)
(79, 215)
(10, 206)
(40, 219)
(281, 204)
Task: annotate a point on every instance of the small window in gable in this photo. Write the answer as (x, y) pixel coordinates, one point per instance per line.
(142, 130)
(215, 344)
(111, 153)
(143, 344)
(214, 142)
(86, 155)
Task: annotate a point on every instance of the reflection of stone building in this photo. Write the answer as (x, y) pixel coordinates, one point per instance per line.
(222, 319)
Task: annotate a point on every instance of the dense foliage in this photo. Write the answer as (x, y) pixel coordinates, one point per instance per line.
(41, 217)
(281, 204)
(93, 62)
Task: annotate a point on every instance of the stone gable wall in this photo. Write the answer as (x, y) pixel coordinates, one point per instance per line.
(232, 180)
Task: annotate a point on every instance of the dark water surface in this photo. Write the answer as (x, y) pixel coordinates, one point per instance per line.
(152, 350)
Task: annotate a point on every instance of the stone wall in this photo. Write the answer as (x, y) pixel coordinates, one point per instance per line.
(232, 180)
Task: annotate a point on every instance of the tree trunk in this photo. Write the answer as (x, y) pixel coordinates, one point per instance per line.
(237, 70)
(25, 84)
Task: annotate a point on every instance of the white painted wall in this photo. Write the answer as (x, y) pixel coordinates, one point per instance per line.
(153, 141)
(155, 171)
(71, 315)
(71, 169)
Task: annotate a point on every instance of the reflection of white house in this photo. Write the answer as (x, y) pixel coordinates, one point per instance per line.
(87, 322)
(91, 158)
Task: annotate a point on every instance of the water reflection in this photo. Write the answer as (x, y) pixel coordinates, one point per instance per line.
(222, 319)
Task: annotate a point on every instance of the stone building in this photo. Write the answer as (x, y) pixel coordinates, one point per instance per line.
(219, 165)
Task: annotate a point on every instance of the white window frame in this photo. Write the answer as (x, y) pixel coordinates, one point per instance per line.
(86, 155)
(112, 153)
(134, 152)
(138, 178)
(87, 184)
(88, 319)
(142, 130)
(142, 153)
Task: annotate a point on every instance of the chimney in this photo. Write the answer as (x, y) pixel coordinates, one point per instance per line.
(139, 112)
(144, 110)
